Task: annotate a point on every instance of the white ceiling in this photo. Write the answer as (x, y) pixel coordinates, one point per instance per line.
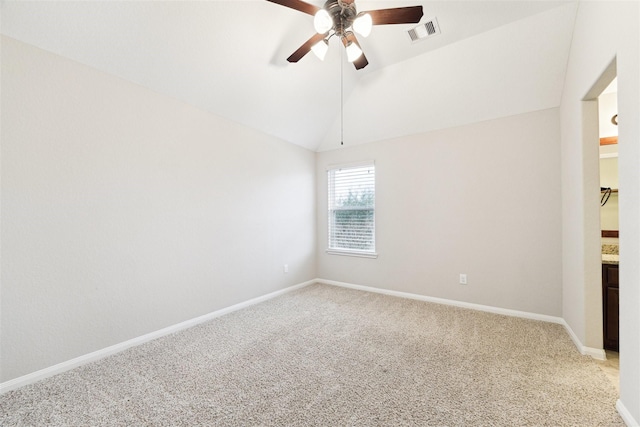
(493, 58)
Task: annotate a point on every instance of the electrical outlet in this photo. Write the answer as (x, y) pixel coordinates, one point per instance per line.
(463, 279)
(286, 268)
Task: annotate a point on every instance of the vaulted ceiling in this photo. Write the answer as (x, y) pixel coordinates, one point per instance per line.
(492, 59)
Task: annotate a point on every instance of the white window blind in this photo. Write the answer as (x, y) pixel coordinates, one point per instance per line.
(352, 209)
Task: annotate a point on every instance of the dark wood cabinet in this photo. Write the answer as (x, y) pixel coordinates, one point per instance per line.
(610, 306)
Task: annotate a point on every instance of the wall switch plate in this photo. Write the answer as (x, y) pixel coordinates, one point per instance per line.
(286, 268)
(463, 279)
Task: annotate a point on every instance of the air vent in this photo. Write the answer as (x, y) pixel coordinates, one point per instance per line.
(428, 29)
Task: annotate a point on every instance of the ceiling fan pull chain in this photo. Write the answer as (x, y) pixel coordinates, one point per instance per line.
(341, 100)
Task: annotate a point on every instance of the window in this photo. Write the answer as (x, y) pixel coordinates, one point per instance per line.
(352, 192)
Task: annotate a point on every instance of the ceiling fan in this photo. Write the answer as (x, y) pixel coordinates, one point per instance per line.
(340, 18)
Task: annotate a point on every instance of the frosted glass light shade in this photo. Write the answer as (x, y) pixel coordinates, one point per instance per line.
(362, 25)
(320, 49)
(322, 21)
(353, 52)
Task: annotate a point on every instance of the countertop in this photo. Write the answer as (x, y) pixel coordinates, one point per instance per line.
(610, 254)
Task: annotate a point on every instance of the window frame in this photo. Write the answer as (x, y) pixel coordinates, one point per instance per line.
(345, 251)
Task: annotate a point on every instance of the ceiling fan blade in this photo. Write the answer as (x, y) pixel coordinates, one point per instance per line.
(305, 48)
(299, 5)
(362, 61)
(398, 15)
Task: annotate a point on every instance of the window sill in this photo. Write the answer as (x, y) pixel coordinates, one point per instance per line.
(352, 253)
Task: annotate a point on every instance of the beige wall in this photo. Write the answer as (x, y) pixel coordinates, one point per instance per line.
(124, 211)
(605, 33)
(607, 107)
(609, 214)
(609, 178)
(481, 199)
(609, 172)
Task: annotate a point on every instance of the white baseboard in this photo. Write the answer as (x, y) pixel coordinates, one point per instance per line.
(99, 354)
(626, 415)
(462, 304)
(596, 353)
(593, 352)
(108, 351)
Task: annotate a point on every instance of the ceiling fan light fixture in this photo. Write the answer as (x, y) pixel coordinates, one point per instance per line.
(353, 51)
(322, 21)
(320, 49)
(362, 24)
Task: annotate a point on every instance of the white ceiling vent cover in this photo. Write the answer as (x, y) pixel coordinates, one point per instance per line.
(425, 30)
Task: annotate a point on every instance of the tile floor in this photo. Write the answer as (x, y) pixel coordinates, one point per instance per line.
(611, 368)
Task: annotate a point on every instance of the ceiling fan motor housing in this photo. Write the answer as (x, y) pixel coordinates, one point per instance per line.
(343, 14)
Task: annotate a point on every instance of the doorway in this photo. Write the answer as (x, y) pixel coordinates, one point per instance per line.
(609, 227)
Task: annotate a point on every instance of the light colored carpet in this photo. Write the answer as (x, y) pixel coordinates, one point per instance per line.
(330, 356)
